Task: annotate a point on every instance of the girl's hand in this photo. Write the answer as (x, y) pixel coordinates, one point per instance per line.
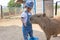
(24, 24)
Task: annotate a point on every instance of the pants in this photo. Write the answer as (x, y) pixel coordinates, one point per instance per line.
(26, 32)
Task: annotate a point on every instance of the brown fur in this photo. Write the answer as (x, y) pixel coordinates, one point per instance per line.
(51, 26)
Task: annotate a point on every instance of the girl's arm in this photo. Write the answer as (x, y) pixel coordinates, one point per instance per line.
(24, 23)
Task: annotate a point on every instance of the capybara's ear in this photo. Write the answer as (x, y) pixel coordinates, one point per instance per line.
(44, 15)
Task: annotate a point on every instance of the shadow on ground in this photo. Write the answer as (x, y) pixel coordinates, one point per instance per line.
(15, 33)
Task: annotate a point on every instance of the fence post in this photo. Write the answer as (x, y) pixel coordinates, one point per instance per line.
(35, 6)
(1, 12)
(43, 6)
(56, 9)
(49, 8)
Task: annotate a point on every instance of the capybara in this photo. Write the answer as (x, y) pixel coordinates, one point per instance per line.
(50, 26)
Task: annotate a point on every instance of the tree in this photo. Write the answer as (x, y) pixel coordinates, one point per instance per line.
(11, 3)
(12, 6)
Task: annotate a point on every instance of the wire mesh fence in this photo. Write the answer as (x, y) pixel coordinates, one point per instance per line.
(10, 11)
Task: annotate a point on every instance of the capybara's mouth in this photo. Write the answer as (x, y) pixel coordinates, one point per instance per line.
(32, 21)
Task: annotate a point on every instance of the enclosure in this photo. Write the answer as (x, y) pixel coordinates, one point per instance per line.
(11, 25)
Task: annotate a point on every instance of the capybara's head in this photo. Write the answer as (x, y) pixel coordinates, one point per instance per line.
(37, 18)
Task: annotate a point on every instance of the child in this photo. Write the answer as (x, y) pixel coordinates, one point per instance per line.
(25, 17)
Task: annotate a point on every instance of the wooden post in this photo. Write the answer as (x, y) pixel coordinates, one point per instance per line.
(43, 6)
(35, 6)
(1, 12)
(56, 9)
(49, 8)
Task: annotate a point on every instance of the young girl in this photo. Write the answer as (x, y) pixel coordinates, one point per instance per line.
(25, 17)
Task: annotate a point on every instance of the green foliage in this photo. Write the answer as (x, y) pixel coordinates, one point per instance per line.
(13, 4)
(17, 5)
(58, 6)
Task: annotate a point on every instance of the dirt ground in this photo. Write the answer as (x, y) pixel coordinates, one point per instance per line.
(11, 29)
(8, 22)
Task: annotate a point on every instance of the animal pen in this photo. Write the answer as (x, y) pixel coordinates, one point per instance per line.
(40, 6)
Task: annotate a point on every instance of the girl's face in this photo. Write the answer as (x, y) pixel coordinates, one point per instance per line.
(29, 9)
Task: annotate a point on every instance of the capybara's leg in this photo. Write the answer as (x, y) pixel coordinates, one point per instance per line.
(55, 35)
(48, 36)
